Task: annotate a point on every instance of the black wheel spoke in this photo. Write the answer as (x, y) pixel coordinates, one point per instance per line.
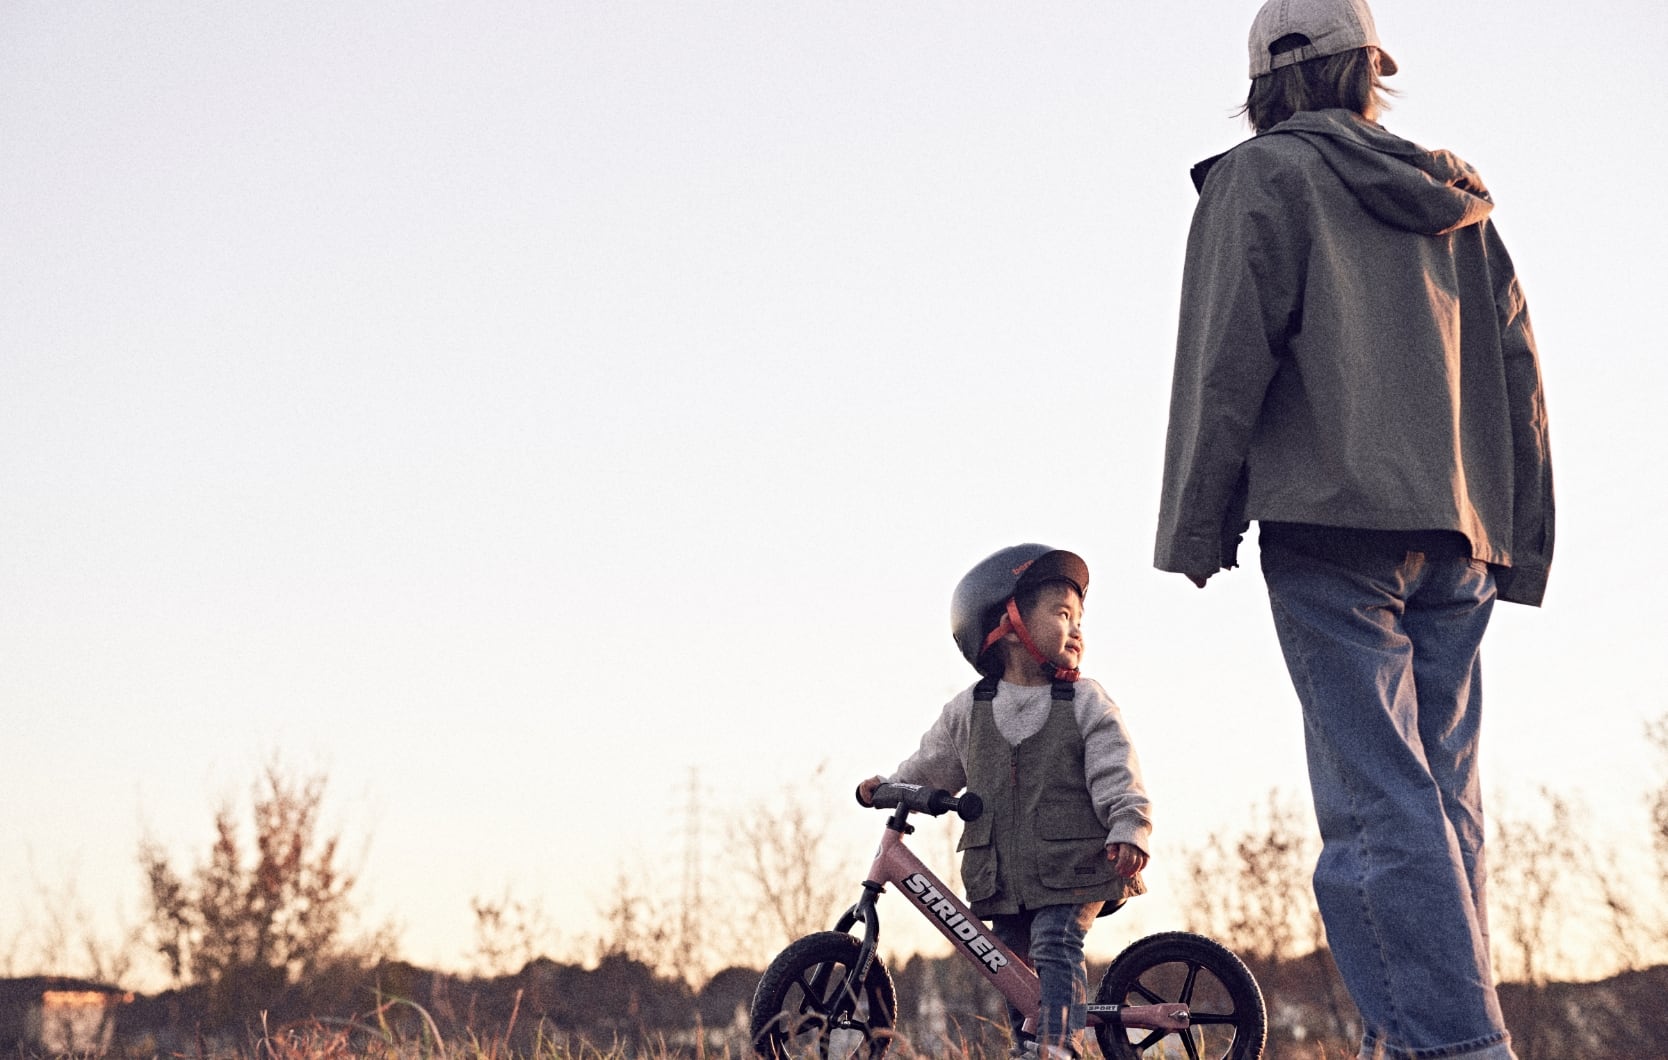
(1149, 1041)
(1186, 997)
(815, 984)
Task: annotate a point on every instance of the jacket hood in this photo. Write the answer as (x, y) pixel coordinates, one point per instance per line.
(1398, 182)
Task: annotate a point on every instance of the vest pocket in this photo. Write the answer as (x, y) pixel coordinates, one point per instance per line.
(978, 860)
(1071, 848)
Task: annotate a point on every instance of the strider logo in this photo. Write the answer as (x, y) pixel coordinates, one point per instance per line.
(1023, 567)
(966, 931)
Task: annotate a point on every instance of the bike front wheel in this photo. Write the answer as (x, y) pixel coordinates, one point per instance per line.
(1227, 1020)
(803, 1007)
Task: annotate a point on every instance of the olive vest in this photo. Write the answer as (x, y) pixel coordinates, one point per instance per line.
(1039, 841)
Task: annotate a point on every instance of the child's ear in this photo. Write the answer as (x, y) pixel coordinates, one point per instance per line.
(1011, 647)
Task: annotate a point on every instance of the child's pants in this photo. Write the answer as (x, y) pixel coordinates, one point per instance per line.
(1050, 940)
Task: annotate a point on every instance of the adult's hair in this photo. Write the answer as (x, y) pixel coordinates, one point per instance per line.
(1348, 79)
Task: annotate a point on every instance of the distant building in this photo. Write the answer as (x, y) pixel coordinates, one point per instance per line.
(52, 1015)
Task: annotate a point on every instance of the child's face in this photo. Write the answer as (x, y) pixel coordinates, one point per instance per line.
(1055, 622)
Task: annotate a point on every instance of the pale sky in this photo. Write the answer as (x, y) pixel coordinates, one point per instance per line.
(507, 407)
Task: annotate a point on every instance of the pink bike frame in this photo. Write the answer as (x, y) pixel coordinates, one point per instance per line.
(896, 864)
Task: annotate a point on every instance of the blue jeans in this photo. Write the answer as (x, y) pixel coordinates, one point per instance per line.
(1382, 643)
(1050, 940)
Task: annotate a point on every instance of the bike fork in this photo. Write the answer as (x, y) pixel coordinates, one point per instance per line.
(863, 912)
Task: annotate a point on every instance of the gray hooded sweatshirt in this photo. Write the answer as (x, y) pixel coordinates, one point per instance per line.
(1354, 351)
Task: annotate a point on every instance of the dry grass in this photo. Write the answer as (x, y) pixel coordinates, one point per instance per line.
(387, 1033)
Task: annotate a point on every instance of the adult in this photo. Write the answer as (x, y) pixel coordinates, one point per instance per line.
(1355, 371)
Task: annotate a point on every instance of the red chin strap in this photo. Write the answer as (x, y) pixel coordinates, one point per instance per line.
(1012, 622)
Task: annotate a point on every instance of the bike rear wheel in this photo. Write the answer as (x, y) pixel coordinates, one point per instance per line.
(802, 1007)
(1226, 1014)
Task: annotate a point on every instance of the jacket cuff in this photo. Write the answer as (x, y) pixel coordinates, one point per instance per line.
(1520, 585)
(1190, 556)
(1138, 836)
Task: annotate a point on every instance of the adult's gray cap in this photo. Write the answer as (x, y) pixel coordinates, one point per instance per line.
(1331, 26)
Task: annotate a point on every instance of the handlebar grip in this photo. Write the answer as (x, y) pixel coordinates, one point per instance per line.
(934, 801)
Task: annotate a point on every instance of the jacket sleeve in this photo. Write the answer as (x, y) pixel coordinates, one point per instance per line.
(1112, 770)
(1240, 294)
(1524, 582)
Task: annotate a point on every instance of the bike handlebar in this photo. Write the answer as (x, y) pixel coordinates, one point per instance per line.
(933, 801)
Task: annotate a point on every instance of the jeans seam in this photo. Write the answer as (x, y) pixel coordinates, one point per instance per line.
(1302, 657)
(1371, 921)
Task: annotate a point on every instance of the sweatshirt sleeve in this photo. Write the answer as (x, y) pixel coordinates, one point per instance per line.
(1240, 293)
(1112, 769)
(937, 763)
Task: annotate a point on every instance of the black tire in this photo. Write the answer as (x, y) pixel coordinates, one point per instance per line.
(1228, 1021)
(802, 1009)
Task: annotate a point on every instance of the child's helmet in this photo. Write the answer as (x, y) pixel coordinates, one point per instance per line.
(983, 592)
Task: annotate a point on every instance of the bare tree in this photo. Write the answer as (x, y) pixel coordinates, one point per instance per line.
(1617, 901)
(1531, 864)
(509, 933)
(1253, 888)
(1656, 800)
(636, 929)
(1544, 867)
(1657, 733)
(59, 935)
(786, 848)
(261, 914)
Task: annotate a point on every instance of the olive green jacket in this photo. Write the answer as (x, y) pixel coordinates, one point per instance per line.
(1354, 351)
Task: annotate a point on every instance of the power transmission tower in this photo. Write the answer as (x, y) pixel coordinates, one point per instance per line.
(691, 950)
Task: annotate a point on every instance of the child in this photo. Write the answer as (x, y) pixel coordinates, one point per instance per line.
(1065, 830)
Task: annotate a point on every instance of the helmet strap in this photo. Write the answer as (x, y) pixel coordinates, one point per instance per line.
(1012, 622)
